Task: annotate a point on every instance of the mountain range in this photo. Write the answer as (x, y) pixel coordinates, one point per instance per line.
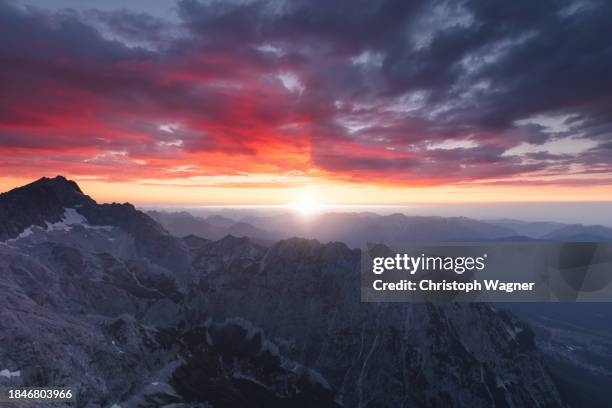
(357, 229)
(102, 298)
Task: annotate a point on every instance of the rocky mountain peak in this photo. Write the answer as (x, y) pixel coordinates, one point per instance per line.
(37, 204)
(49, 201)
(58, 183)
(59, 189)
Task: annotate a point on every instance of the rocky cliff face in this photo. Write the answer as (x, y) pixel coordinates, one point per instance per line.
(101, 298)
(306, 295)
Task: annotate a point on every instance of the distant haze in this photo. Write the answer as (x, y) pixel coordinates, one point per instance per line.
(570, 213)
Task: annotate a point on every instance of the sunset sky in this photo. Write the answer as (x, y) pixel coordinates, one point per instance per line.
(341, 102)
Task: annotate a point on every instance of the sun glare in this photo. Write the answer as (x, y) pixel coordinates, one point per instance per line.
(306, 205)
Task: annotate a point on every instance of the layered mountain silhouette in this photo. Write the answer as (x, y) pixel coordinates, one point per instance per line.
(357, 229)
(182, 224)
(102, 298)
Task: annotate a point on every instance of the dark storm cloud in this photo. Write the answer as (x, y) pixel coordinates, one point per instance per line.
(564, 65)
(378, 84)
(35, 34)
(138, 27)
(342, 27)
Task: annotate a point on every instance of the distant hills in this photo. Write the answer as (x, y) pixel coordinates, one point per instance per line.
(356, 229)
(182, 224)
(529, 229)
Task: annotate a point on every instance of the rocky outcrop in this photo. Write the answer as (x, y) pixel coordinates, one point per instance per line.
(306, 295)
(38, 203)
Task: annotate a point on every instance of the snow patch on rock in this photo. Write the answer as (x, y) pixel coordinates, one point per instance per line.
(9, 374)
(70, 219)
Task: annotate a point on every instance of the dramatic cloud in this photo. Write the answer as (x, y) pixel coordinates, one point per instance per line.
(399, 92)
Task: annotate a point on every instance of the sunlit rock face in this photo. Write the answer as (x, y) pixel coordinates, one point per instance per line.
(101, 298)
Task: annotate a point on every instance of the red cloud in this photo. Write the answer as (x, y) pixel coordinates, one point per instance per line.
(250, 94)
